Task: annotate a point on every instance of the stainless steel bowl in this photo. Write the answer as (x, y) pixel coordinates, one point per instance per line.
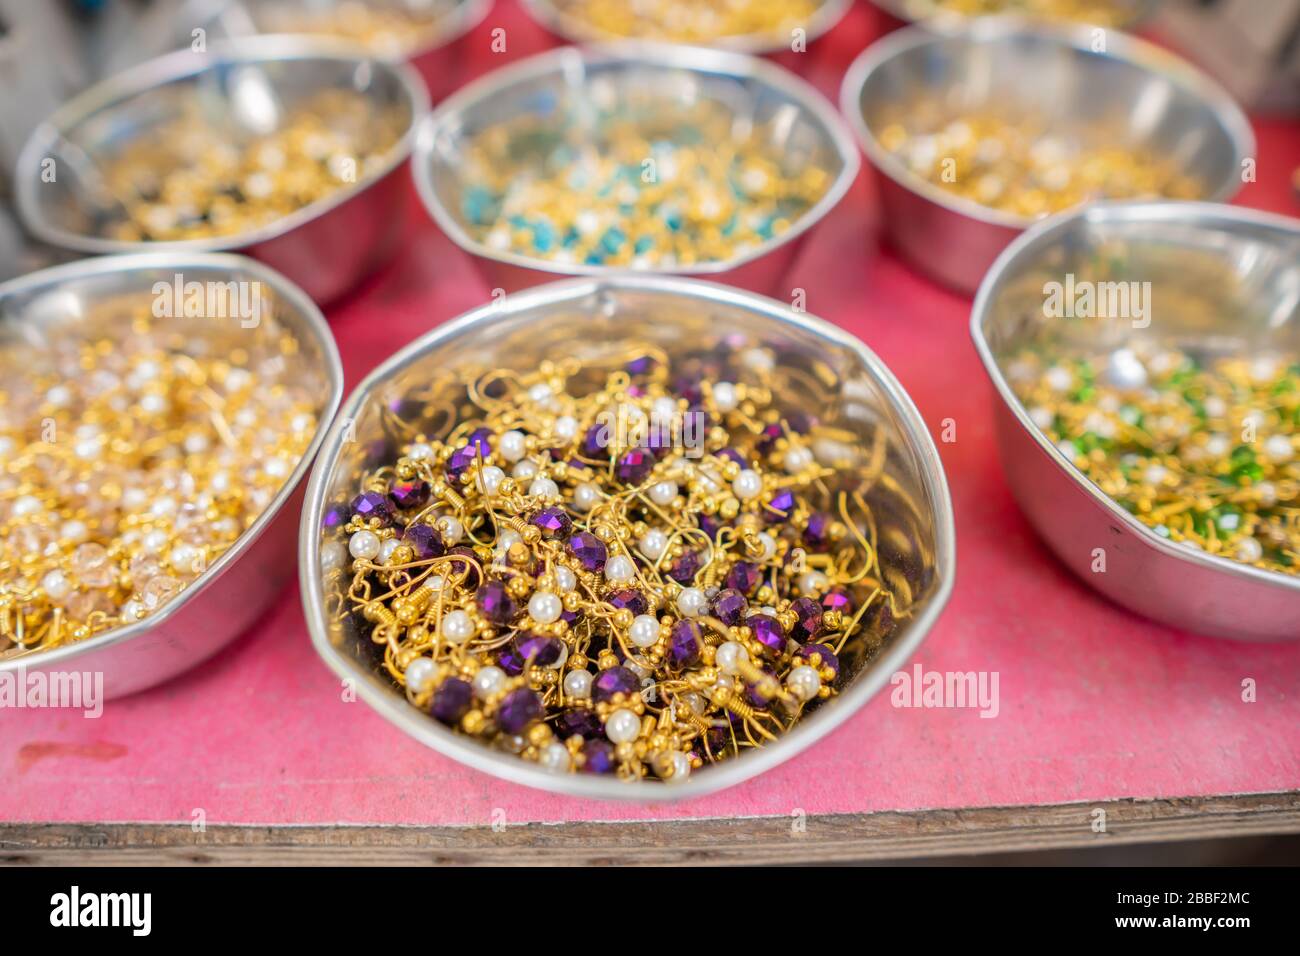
(439, 57)
(573, 29)
(1223, 281)
(592, 319)
(1134, 12)
(1133, 94)
(760, 91)
(238, 587)
(326, 247)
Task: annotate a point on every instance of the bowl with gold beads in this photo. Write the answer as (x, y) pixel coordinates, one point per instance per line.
(629, 537)
(950, 14)
(634, 157)
(1147, 358)
(428, 34)
(968, 153)
(780, 27)
(285, 148)
(158, 413)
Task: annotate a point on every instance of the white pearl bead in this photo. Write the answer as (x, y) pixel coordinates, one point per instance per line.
(1125, 370)
(418, 673)
(768, 544)
(545, 607)
(653, 543)
(26, 505)
(132, 610)
(184, 557)
(488, 681)
(729, 655)
(543, 488)
(619, 568)
(457, 627)
(75, 531)
(586, 496)
(681, 767)
(524, 470)
(748, 484)
(512, 445)
(450, 529)
(56, 584)
(1278, 448)
(691, 602)
(155, 540)
(331, 555)
(724, 396)
(363, 544)
(812, 582)
(419, 451)
(663, 409)
(663, 492)
(1249, 550)
(797, 459)
(565, 579)
(554, 757)
(505, 538)
(804, 682)
(490, 478)
(644, 631)
(622, 726)
(386, 550)
(541, 392)
(578, 684)
(566, 427)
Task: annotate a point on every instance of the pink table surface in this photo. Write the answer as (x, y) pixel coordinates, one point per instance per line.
(1095, 703)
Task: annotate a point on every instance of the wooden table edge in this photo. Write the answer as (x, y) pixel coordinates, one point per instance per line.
(797, 838)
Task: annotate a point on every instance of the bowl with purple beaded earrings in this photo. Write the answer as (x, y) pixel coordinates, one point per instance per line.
(631, 537)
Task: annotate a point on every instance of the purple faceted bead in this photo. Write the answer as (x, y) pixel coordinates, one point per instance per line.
(780, 507)
(451, 700)
(767, 438)
(801, 423)
(825, 657)
(460, 463)
(495, 602)
(457, 569)
(589, 550)
(425, 541)
(635, 466)
(744, 577)
(817, 533)
(730, 607)
(641, 365)
(372, 504)
(595, 444)
(837, 600)
(511, 661)
(481, 439)
(540, 649)
(709, 525)
(809, 623)
(410, 494)
(684, 567)
(554, 522)
(685, 643)
(599, 756)
(768, 632)
(519, 709)
(629, 598)
(336, 516)
(614, 680)
(580, 722)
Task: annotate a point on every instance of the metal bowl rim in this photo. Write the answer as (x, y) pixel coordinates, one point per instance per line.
(1119, 46)
(179, 64)
(315, 324)
(697, 59)
(395, 708)
(1041, 236)
(950, 19)
(829, 13)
